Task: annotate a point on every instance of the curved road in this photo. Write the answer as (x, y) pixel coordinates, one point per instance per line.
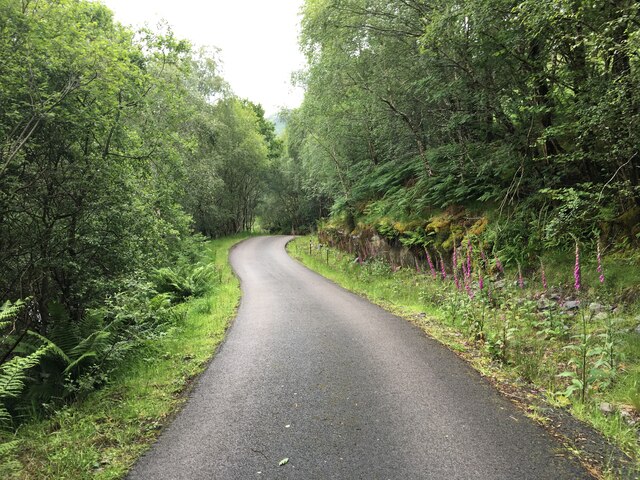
(344, 390)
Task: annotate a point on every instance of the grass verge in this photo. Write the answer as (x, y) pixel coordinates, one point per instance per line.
(521, 349)
(102, 436)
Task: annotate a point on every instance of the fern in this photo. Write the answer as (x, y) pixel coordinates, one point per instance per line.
(53, 348)
(9, 310)
(9, 465)
(93, 346)
(75, 353)
(185, 282)
(12, 377)
(7, 448)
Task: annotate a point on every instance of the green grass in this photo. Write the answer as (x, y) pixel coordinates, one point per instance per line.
(102, 436)
(535, 352)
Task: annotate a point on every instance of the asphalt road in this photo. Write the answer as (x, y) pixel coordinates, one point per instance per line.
(344, 390)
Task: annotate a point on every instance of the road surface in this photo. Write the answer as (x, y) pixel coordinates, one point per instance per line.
(344, 390)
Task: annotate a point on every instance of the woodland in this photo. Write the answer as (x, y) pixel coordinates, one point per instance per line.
(526, 111)
(120, 151)
(512, 125)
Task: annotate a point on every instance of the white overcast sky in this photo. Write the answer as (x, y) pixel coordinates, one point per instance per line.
(258, 40)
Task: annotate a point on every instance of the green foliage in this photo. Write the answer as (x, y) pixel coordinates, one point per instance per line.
(185, 282)
(8, 311)
(526, 110)
(295, 198)
(13, 375)
(101, 436)
(634, 396)
(114, 146)
(226, 173)
(576, 212)
(79, 355)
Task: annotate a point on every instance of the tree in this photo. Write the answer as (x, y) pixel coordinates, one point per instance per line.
(414, 106)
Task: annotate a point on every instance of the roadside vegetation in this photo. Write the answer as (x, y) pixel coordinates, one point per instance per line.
(477, 163)
(544, 342)
(101, 433)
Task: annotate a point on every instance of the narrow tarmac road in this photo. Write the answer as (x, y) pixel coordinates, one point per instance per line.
(344, 390)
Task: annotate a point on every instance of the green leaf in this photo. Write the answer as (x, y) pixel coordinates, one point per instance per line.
(284, 461)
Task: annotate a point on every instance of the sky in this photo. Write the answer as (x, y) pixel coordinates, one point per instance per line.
(258, 40)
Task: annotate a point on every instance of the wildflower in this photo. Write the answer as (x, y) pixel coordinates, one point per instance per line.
(467, 287)
(520, 279)
(465, 264)
(431, 267)
(576, 269)
(600, 271)
(543, 276)
(480, 281)
(454, 266)
(442, 269)
(455, 256)
(499, 265)
(469, 251)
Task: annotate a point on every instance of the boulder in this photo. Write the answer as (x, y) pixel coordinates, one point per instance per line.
(597, 307)
(607, 408)
(545, 304)
(571, 305)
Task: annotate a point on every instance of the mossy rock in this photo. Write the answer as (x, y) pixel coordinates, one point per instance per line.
(479, 227)
(439, 223)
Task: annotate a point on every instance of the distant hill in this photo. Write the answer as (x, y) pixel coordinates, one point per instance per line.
(278, 122)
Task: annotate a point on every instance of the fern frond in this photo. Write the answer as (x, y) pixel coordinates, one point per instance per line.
(5, 418)
(79, 360)
(65, 335)
(8, 448)
(95, 339)
(14, 372)
(10, 310)
(12, 376)
(89, 324)
(93, 346)
(53, 348)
